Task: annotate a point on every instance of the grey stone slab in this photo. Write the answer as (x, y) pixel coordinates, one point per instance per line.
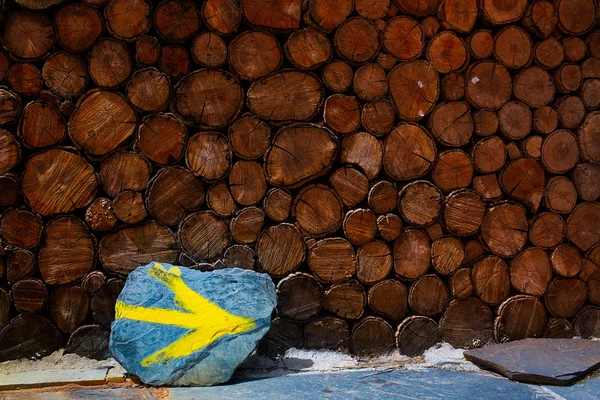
(542, 361)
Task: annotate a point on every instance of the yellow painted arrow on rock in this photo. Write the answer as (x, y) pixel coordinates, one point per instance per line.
(206, 321)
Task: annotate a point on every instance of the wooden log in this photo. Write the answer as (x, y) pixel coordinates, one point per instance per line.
(28, 336)
(203, 236)
(147, 50)
(533, 86)
(346, 299)
(277, 204)
(68, 308)
(35, 26)
(327, 332)
(357, 40)
(172, 193)
(586, 177)
(531, 271)
(453, 87)
(249, 137)
(247, 182)
(127, 19)
(220, 201)
(389, 227)
(460, 284)
(93, 281)
(300, 297)
(332, 260)
(374, 262)
(280, 249)
(504, 229)
(364, 150)
(161, 138)
(452, 170)
(489, 155)
(588, 137)
(318, 210)
(129, 207)
(583, 225)
(402, 37)
(174, 61)
(372, 9)
(489, 85)
(239, 256)
(281, 336)
(128, 248)
(148, 90)
(447, 52)
(223, 16)
(42, 125)
(10, 106)
(558, 328)
(176, 20)
(25, 78)
(589, 93)
(565, 296)
(481, 44)
(587, 322)
(414, 89)
(498, 14)
(103, 302)
(291, 142)
(546, 230)
(389, 298)
(254, 55)
(588, 268)
(540, 18)
(372, 336)
(67, 251)
(420, 203)
(545, 120)
(65, 74)
(20, 264)
(402, 161)
(576, 17)
(370, 82)
(467, 324)
(247, 225)
(549, 53)
(519, 317)
(566, 261)
(383, 197)
(452, 123)
(532, 146)
(412, 254)
(447, 254)
(4, 308)
(458, 15)
(21, 228)
(308, 49)
(9, 190)
(491, 282)
(428, 296)
(342, 113)
(360, 226)
(29, 295)
(90, 341)
(416, 334)
(524, 180)
(124, 171)
(337, 75)
(568, 78)
(513, 47)
(560, 195)
(350, 184)
(571, 111)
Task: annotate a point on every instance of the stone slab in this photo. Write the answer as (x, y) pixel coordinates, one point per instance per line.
(37, 379)
(541, 361)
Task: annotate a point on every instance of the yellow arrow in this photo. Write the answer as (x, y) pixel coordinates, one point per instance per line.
(206, 321)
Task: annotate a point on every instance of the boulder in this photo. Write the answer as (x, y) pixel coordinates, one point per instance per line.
(181, 327)
(541, 361)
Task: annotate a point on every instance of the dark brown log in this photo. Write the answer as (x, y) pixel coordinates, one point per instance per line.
(20, 264)
(172, 193)
(298, 142)
(77, 26)
(560, 195)
(452, 123)
(588, 268)
(487, 186)
(103, 302)
(337, 75)
(342, 113)
(374, 262)
(129, 207)
(147, 50)
(29, 295)
(148, 90)
(281, 336)
(461, 286)
(332, 260)
(109, 63)
(558, 328)
(416, 334)
(586, 178)
(447, 52)
(499, 14)
(583, 225)
(414, 89)
(28, 336)
(458, 15)
(176, 20)
(571, 111)
(280, 249)
(588, 136)
(403, 38)
(568, 78)
(489, 85)
(254, 55)
(350, 184)
(473, 250)
(540, 18)
(575, 48)
(545, 120)
(549, 53)
(318, 210)
(485, 123)
(587, 322)
(223, 16)
(9, 190)
(93, 281)
(546, 230)
(412, 254)
(513, 47)
(372, 336)
(524, 180)
(247, 225)
(576, 17)
(286, 96)
(300, 297)
(4, 308)
(208, 155)
(589, 93)
(203, 236)
(532, 146)
(247, 182)
(591, 68)
(124, 171)
(347, 299)
(161, 138)
(452, 170)
(560, 152)
(65, 74)
(489, 155)
(434, 231)
(565, 296)
(389, 227)
(491, 282)
(519, 317)
(249, 137)
(21, 228)
(127, 19)
(90, 341)
(174, 61)
(447, 254)
(357, 40)
(370, 82)
(126, 249)
(533, 86)
(530, 272)
(409, 152)
(364, 150)
(420, 203)
(42, 125)
(10, 106)
(277, 204)
(389, 298)
(239, 256)
(25, 78)
(504, 229)
(428, 296)
(383, 197)
(481, 44)
(308, 49)
(467, 324)
(35, 26)
(327, 333)
(68, 308)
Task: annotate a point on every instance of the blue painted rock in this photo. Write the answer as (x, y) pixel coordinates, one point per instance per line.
(181, 327)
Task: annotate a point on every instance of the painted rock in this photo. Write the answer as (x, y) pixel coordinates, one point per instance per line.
(181, 327)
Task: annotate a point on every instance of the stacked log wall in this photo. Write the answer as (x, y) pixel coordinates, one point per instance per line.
(406, 172)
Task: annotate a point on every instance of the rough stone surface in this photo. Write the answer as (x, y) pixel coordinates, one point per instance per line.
(542, 361)
(177, 326)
